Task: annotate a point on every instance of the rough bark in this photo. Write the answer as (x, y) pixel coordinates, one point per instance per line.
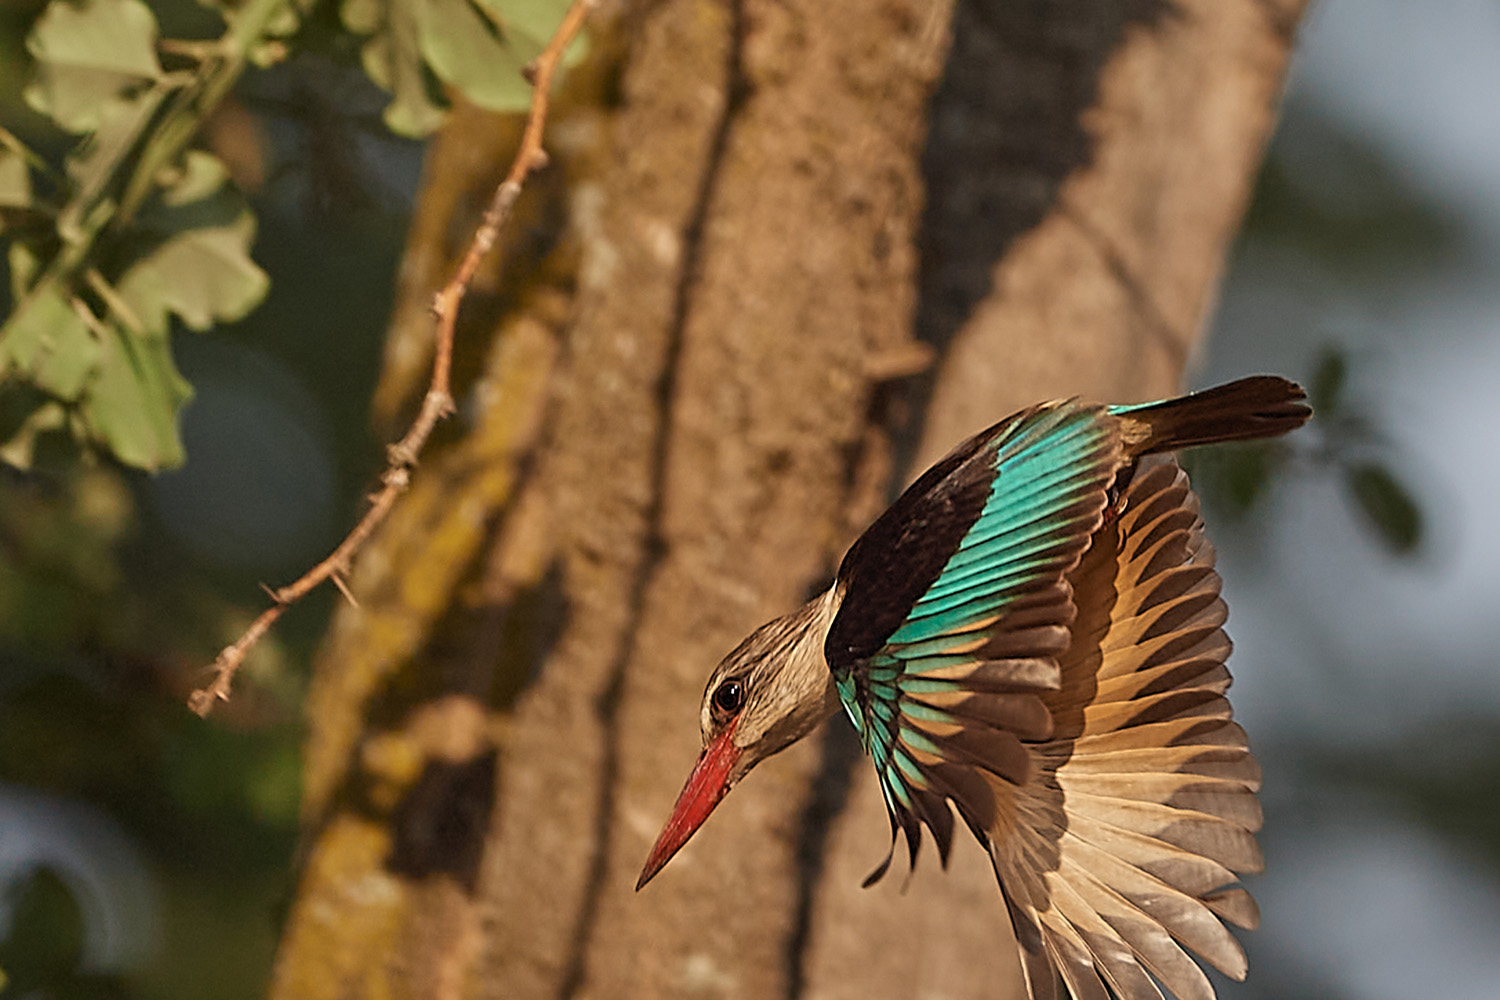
(674, 422)
(751, 255)
(1081, 201)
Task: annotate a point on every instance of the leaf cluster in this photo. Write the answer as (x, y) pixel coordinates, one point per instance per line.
(1360, 456)
(137, 232)
(479, 47)
(133, 230)
(1347, 444)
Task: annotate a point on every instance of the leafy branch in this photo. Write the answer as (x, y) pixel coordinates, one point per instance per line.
(138, 227)
(438, 402)
(146, 229)
(1348, 445)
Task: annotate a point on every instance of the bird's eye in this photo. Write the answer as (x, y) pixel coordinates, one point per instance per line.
(728, 697)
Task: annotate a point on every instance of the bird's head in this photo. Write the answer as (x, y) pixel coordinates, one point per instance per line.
(770, 692)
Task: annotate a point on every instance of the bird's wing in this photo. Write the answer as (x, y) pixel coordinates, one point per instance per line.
(1122, 848)
(954, 607)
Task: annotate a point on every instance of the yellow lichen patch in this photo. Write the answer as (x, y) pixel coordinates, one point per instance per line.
(392, 761)
(342, 935)
(437, 533)
(452, 729)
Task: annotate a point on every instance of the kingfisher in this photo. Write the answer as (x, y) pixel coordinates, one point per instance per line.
(1032, 636)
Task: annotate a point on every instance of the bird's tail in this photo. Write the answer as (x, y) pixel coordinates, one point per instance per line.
(1255, 407)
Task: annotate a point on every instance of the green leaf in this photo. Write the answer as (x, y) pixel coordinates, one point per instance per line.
(23, 271)
(1235, 476)
(117, 36)
(15, 176)
(534, 20)
(392, 59)
(1327, 390)
(87, 53)
(1386, 505)
(70, 354)
(132, 405)
(464, 48)
(47, 340)
(476, 46)
(202, 275)
(1248, 471)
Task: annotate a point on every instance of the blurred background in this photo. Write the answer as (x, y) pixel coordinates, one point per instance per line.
(1367, 671)
(147, 854)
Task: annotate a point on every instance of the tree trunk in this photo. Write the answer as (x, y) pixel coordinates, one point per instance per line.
(679, 415)
(1081, 201)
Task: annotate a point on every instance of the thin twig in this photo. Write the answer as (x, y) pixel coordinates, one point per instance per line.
(401, 457)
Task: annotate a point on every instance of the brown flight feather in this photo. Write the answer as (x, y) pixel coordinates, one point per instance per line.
(1141, 807)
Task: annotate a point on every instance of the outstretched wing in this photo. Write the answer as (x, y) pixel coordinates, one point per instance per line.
(954, 607)
(1125, 842)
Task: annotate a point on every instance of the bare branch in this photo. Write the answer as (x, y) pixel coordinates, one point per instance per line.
(401, 457)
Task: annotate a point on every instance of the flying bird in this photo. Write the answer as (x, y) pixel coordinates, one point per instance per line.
(1032, 637)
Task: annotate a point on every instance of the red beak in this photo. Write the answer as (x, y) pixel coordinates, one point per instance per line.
(708, 783)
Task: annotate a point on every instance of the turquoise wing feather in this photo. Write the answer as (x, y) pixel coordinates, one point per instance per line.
(955, 605)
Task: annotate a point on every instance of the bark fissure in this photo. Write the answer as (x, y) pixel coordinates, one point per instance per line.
(606, 707)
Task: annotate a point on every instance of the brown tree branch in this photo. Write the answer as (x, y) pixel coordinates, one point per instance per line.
(401, 457)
